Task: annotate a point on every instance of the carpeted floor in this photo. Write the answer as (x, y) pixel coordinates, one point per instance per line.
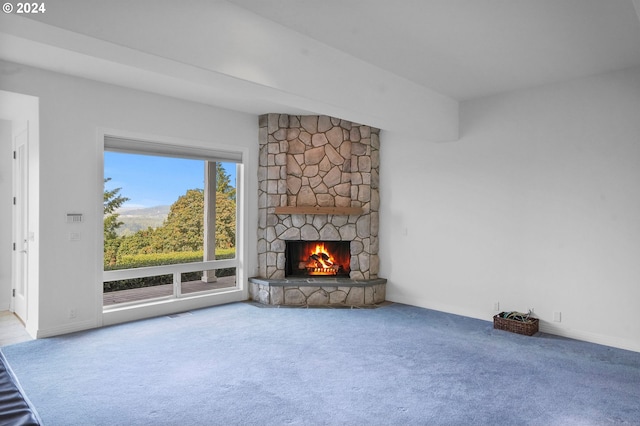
(242, 365)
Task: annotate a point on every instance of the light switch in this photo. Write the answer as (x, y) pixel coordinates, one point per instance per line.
(74, 218)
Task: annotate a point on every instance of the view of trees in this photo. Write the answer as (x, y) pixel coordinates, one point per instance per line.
(112, 202)
(182, 231)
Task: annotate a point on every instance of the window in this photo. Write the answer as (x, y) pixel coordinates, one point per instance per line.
(170, 221)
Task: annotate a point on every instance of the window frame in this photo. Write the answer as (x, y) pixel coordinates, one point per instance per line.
(177, 148)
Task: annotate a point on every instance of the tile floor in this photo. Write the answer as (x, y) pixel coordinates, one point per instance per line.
(11, 329)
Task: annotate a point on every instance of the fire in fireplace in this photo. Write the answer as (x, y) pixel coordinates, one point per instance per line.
(317, 258)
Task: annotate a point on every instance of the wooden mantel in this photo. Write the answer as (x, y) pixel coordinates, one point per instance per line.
(347, 211)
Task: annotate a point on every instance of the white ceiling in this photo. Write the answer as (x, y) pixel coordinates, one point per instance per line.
(393, 64)
(471, 48)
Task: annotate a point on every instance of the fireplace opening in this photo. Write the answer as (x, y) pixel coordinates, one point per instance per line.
(317, 258)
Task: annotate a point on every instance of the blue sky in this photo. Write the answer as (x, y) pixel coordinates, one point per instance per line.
(150, 181)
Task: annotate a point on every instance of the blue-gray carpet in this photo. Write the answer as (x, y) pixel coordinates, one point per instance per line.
(243, 365)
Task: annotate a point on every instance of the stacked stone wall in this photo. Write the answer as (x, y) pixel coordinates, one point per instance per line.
(317, 161)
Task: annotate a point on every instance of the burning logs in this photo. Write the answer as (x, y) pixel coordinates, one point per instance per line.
(329, 258)
(320, 264)
(322, 259)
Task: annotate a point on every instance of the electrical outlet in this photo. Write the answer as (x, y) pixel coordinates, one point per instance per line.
(496, 306)
(557, 316)
(73, 313)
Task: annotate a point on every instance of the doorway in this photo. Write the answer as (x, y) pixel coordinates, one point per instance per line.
(20, 197)
(19, 201)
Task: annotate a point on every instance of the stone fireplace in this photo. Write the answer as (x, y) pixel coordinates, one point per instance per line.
(318, 184)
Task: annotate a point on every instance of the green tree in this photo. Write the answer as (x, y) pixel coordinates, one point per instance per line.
(223, 182)
(225, 221)
(140, 242)
(225, 210)
(183, 229)
(112, 201)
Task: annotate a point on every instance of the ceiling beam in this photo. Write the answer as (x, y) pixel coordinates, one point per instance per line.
(314, 78)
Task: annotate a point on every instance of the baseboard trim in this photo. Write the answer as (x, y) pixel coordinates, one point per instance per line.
(600, 339)
(545, 326)
(65, 329)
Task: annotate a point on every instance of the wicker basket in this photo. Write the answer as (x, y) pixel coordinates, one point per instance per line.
(528, 328)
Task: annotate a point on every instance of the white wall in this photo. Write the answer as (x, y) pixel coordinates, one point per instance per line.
(71, 111)
(536, 206)
(5, 214)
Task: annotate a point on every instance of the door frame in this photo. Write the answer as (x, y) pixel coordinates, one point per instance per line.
(20, 221)
(17, 108)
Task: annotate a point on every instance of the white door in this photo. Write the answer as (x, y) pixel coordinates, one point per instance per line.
(20, 222)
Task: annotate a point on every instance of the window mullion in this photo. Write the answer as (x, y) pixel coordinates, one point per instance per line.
(177, 284)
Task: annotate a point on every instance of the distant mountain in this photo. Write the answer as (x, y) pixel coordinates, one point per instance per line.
(156, 211)
(134, 219)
